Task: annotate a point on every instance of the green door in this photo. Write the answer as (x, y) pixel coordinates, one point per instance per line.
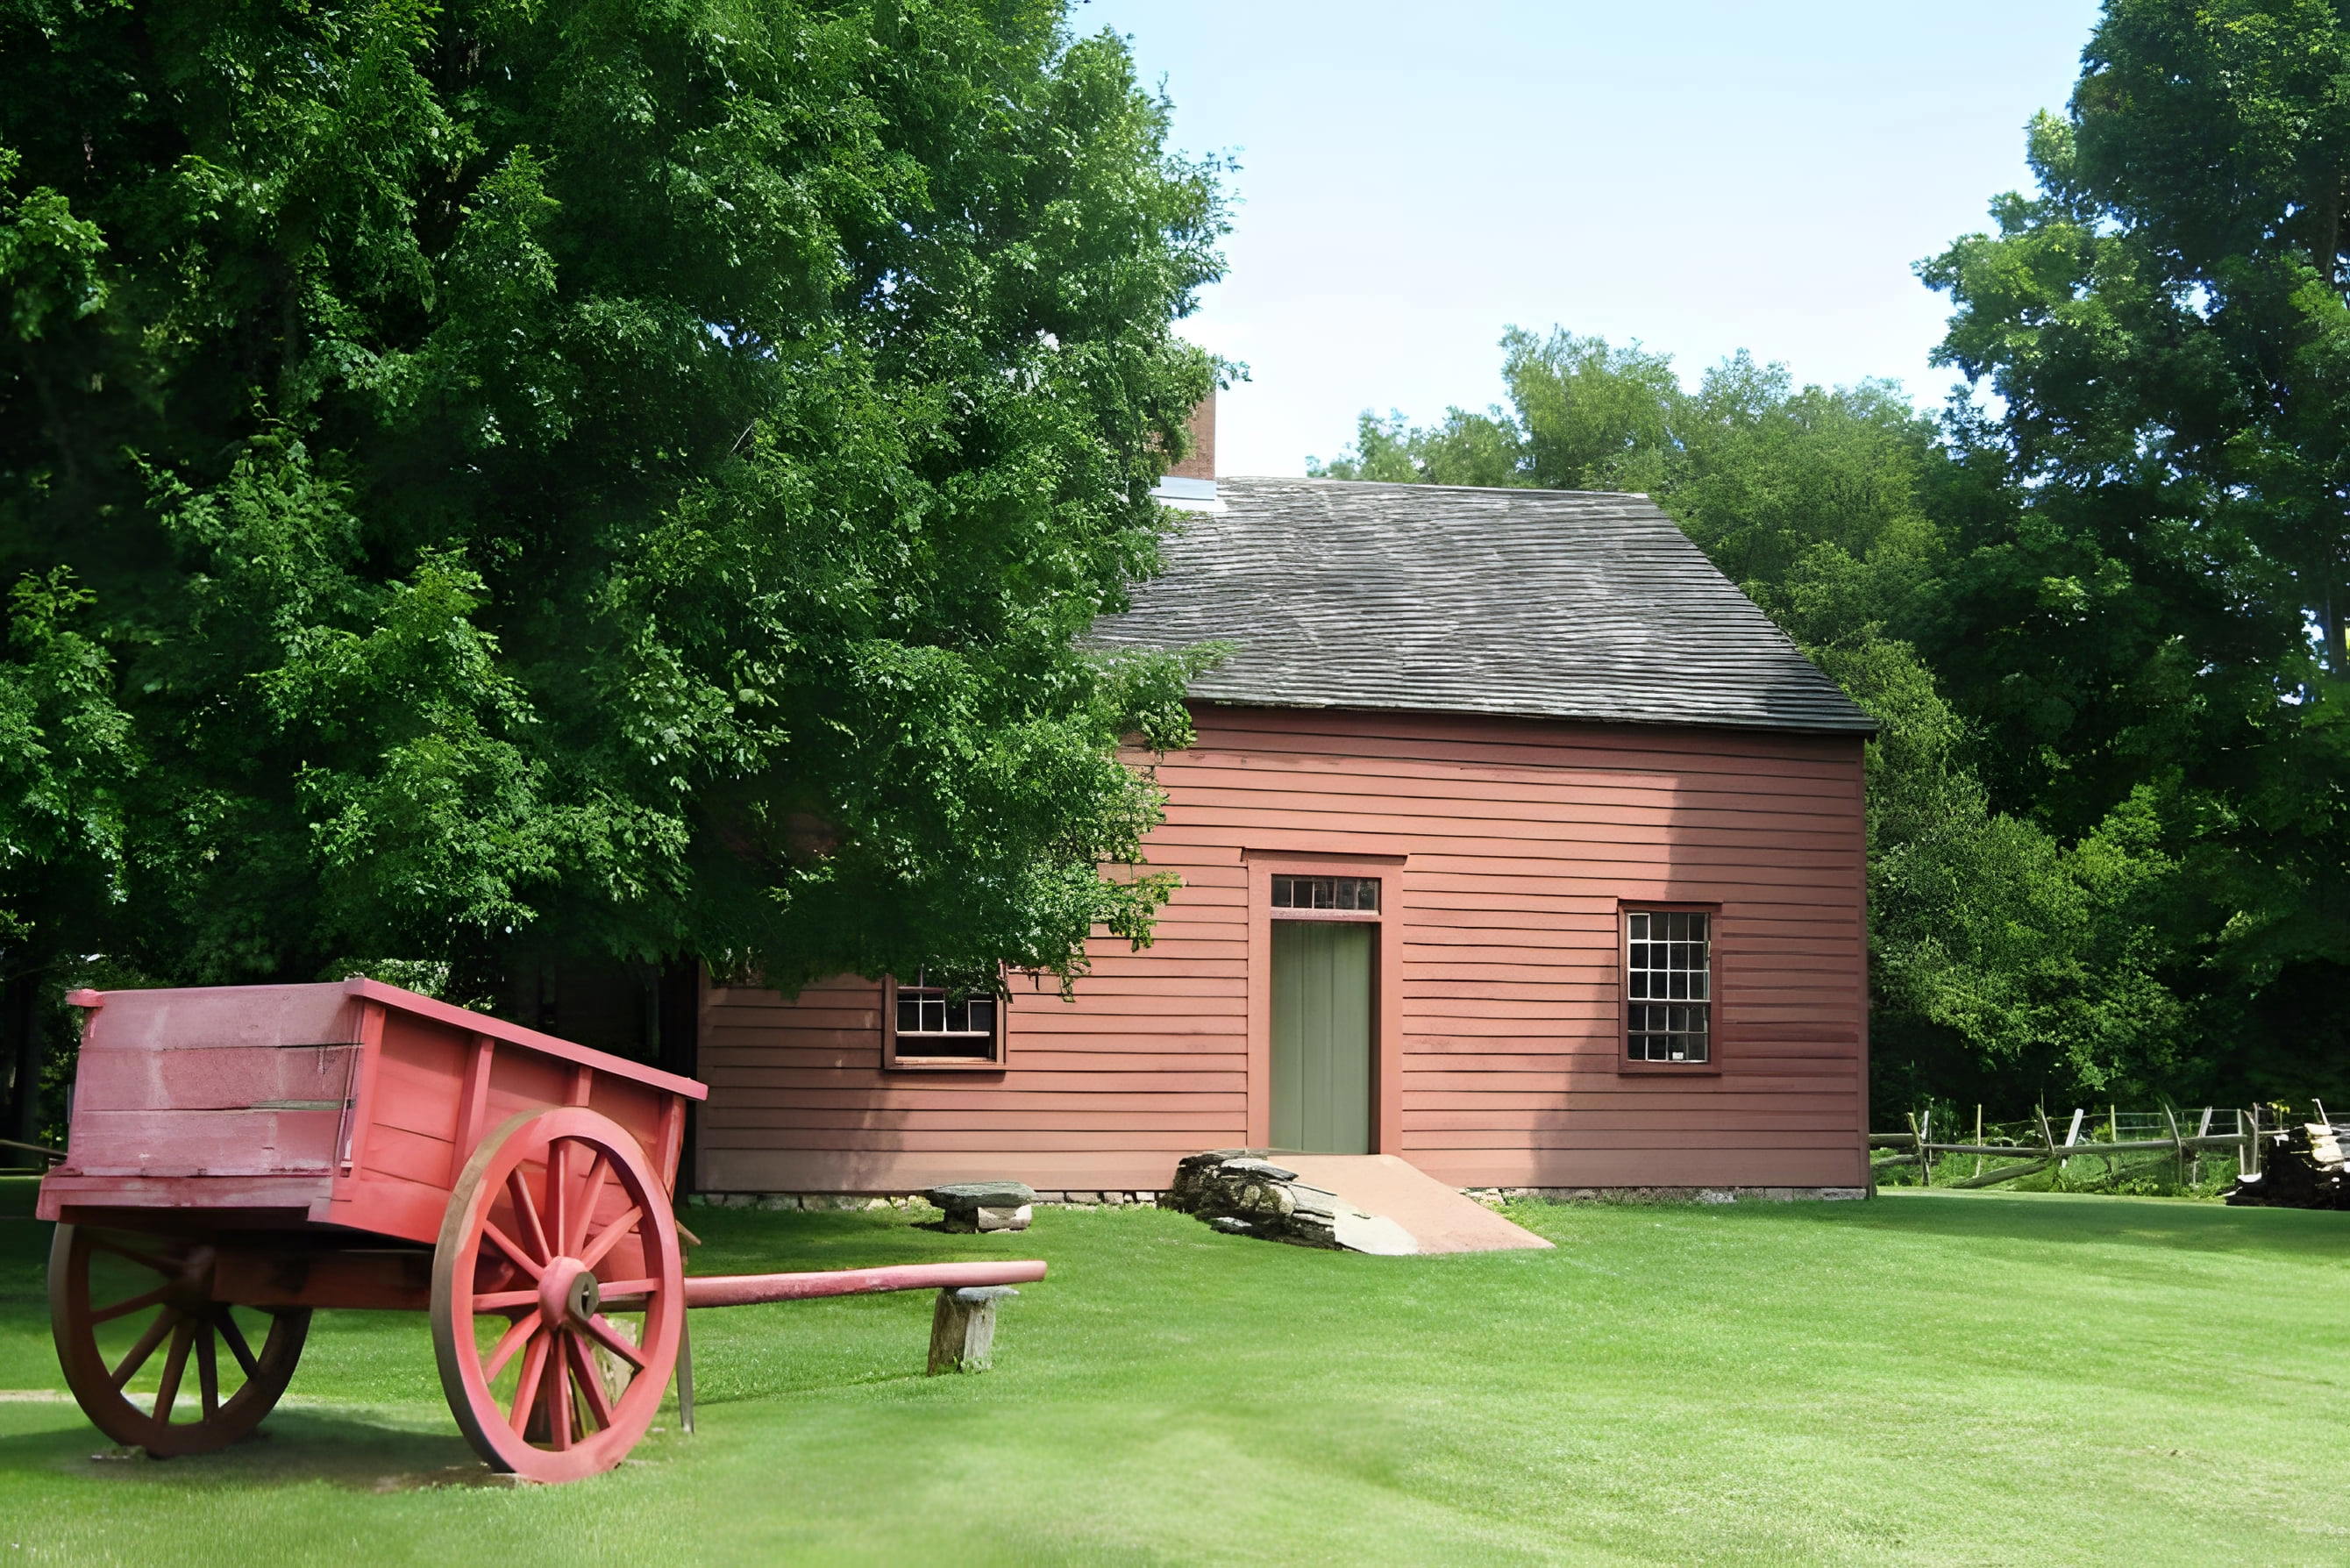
(1322, 1036)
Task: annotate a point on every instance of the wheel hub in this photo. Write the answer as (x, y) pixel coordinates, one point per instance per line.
(568, 1293)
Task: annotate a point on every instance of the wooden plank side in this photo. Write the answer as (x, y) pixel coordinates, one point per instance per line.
(1684, 1166)
(1505, 848)
(211, 1078)
(420, 1081)
(203, 1143)
(195, 1018)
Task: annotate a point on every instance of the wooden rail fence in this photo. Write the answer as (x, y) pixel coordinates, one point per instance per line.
(2167, 1131)
(48, 1157)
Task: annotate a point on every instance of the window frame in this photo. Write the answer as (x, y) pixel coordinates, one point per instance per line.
(1333, 912)
(894, 1061)
(1624, 1063)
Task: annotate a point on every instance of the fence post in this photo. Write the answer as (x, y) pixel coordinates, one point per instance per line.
(2178, 1148)
(2048, 1139)
(1979, 1160)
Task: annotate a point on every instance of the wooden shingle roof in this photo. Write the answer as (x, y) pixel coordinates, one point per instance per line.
(1539, 602)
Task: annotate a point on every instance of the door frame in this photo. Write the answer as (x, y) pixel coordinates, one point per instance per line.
(1387, 982)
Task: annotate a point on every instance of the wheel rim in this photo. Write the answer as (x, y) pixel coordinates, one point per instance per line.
(556, 1225)
(154, 1360)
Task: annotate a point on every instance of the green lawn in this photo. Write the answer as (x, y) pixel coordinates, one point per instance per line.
(1931, 1377)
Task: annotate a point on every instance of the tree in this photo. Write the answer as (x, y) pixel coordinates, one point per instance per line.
(2164, 324)
(619, 479)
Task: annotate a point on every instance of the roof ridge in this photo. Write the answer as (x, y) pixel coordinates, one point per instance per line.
(1421, 484)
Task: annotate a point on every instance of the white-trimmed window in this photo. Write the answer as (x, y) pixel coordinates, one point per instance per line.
(1669, 986)
(928, 1022)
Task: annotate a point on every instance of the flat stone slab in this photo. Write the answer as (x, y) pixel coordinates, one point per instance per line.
(1265, 1167)
(1375, 1234)
(962, 1195)
(1440, 1218)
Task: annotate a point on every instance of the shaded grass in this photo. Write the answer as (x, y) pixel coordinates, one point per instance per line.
(1928, 1378)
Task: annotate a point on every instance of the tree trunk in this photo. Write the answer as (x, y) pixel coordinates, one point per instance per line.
(2337, 645)
(20, 1030)
(2327, 242)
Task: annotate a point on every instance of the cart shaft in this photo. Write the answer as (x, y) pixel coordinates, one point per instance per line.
(747, 1290)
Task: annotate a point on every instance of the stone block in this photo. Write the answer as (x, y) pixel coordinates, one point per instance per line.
(976, 1194)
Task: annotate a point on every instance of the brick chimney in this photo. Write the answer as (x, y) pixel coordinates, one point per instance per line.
(1191, 484)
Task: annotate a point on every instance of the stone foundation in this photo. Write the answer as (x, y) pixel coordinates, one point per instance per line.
(1496, 1196)
(824, 1201)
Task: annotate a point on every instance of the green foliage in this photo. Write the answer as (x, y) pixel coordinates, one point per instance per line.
(65, 757)
(614, 480)
(2160, 604)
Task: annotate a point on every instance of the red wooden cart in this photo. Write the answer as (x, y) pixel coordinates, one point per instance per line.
(242, 1155)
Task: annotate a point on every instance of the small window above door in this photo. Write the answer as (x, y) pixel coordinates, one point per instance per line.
(1348, 894)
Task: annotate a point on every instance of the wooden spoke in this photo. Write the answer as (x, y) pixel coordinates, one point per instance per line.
(611, 1288)
(207, 1369)
(508, 1343)
(526, 1208)
(168, 1392)
(534, 1368)
(145, 1259)
(558, 1189)
(591, 1188)
(601, 1328)
(125, 1307)
(234, 1337)
(611, 1237)
(591, 1386)
(558, 1424)
(614, 1341)
(130, 1364)
(512, 1248)
(502, 1301)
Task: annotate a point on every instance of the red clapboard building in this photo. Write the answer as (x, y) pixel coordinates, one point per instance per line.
(1515, 841)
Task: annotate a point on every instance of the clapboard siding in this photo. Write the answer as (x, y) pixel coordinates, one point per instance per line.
(1506, 848)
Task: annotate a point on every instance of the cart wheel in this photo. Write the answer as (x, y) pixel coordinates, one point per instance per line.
(118, 1297)
(556, 1221)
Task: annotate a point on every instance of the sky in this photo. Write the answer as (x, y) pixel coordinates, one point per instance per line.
(1414, 178)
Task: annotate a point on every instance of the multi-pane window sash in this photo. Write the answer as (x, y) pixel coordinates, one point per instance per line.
(1357, 893)
(933, 1020)
(1668, 986)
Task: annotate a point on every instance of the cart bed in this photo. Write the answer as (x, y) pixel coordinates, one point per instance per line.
(351, 1104)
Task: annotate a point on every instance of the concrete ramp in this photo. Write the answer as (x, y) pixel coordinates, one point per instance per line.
(1438, 1216)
